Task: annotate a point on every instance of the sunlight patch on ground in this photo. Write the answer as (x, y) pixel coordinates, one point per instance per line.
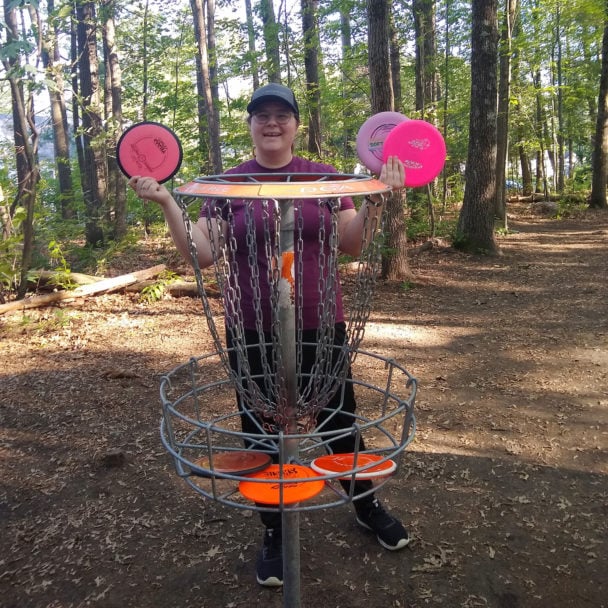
(401, 331)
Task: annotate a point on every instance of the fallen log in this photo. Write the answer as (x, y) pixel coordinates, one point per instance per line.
(177, 289)
(103, 286)
(50, 279)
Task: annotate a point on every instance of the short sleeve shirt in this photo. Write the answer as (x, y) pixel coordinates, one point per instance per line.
(313, 220)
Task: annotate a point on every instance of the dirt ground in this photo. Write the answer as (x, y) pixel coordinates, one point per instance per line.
(504, 488)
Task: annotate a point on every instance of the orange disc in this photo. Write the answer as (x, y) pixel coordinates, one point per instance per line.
(239, 462)
(281, 190)
(345, 463)
(288, 484)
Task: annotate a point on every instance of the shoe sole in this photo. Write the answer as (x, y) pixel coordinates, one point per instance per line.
(404, 542)
(271, 581)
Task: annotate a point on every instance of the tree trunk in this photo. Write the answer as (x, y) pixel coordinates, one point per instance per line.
(311, 65)
(394, 258)
(349, 133)
(271, 41)
(253, 55)
(426, 73)
(28, 174)
(600, 150)
(504, 94)
(395, 62)
(59, 116)
(116, 180)
(94, 171)
(395, 267)
(382, 98)
(204, 80)
(475, 230)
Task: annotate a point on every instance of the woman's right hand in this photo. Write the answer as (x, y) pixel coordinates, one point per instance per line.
(148, 189)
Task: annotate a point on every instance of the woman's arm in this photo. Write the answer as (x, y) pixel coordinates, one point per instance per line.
(149, 189)
(356, 227)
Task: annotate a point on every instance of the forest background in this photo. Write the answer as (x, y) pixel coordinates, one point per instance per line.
(504, 491)
(517, 88)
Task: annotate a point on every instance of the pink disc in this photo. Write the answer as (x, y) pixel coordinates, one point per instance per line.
(420, 147)
(371, 137)
(149, 149)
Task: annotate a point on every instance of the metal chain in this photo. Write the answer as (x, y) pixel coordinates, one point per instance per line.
(261, 391)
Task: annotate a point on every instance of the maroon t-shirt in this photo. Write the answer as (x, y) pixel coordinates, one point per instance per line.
(311, 216)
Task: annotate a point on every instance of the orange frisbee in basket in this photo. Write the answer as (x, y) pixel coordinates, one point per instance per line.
(297, 483)
(238, 462)
(345, 463)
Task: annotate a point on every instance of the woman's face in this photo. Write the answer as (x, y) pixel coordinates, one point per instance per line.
(273, 128)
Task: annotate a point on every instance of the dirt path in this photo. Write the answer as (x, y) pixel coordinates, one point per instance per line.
(504, 489)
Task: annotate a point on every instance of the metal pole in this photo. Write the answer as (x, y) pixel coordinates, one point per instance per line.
(289, 392)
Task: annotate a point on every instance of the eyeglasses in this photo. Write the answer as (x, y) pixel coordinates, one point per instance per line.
(281, 118)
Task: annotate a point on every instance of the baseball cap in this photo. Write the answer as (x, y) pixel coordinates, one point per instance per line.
(274, 92)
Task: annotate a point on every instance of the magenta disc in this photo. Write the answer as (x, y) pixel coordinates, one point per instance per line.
(149, 149)
(420, 147)
(371, 137)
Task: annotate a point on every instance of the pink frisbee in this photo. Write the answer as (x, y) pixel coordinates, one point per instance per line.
(420, 147)
(372, 135)
(149, 149)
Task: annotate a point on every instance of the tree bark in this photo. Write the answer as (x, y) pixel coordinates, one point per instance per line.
(426, 51)
(210, 118)
(59, 116)
(28, 174)
(475, 230)
(504, 94)
(117, 181)
(349, 134)
(600, 150)
(382, 98)
(253, 55)
(94, 171)
(394, 258)
(271, 41)
(311, 66)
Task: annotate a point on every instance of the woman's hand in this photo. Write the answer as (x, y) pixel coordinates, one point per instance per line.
(148, 189)
(393, 173)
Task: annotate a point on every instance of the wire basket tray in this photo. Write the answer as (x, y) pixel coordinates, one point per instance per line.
(200, 420)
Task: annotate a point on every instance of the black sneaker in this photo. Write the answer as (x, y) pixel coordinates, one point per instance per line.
(269, 566)
(389, 531)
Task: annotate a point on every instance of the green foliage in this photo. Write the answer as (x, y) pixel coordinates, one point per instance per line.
(62, 277)
(10, 253)
(58, 319)
(421, 226)
(156, 291)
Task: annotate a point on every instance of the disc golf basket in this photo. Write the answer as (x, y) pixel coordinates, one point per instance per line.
(283, 380)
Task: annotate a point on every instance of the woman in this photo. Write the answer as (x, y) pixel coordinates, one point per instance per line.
(274, 118)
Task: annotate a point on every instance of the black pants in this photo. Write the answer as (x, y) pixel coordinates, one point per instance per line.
(343, 401)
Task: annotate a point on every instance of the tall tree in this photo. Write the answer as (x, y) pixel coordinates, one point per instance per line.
(395, 63)
(25, 137)
(346, 75)
(51, 61)
(394, 264)
(504, 98)
(253, 57)
(271, 40)
(210, 118)
(426, 50)
(600, 149)
(475, 230)
(93, 172)
(113, 80)
(311, 66)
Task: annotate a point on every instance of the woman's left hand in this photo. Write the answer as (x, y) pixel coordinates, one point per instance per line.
(393, 173)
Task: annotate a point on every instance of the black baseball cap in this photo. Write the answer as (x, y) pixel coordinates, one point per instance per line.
(274, 92)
